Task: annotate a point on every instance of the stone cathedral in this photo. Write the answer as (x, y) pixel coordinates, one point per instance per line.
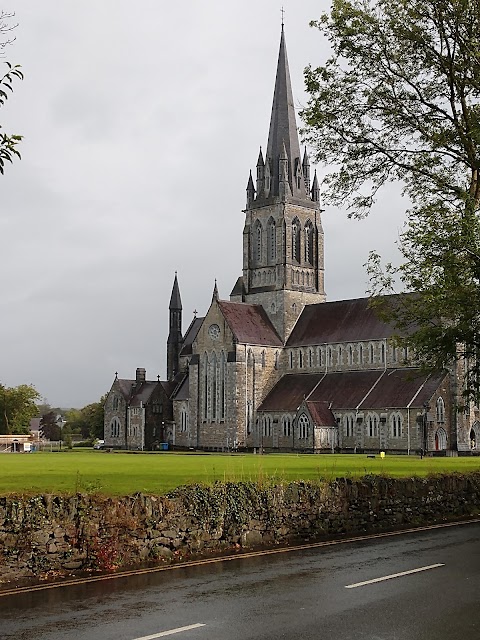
(276, 367)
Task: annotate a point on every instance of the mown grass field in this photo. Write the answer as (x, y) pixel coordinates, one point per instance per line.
(123, 473)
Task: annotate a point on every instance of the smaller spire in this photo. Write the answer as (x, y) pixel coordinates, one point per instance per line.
(260, 162)
(215, 291)
(250, 191)
(116, 375)
(315, 189)
(306, 170)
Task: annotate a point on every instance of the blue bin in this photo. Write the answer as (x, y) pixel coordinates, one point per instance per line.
(164, 446)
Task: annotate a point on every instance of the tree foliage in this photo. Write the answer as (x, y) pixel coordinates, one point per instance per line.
(17, 407)
(87, 421)
(8, 143)
(49, 427)
(399, 100)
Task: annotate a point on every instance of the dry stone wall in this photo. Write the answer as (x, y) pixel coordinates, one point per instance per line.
(48, 534)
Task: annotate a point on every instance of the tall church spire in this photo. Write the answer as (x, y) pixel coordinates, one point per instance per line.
(283, 130)
(175, 339)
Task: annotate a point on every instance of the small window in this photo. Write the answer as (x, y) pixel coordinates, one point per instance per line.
(440, 410)
(303, 427)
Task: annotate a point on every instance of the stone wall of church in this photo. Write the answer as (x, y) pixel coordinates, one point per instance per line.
(115, 418)
(345, 356)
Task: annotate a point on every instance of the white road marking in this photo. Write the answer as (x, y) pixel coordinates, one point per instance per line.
(162, 634)
(394, 575)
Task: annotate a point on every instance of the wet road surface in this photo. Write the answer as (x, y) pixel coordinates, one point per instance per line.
(329, 593)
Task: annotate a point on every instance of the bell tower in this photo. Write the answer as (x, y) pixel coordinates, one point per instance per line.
(283, 257)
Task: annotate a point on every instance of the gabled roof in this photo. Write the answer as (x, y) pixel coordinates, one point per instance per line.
(140, 393)
(249, 323)
(190, 336)
(355, 390)
(321, 413)
(341, 321)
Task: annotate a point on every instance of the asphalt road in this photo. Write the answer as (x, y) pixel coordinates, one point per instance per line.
(299, 595)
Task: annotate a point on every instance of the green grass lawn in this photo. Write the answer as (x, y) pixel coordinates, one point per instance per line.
(124, 473)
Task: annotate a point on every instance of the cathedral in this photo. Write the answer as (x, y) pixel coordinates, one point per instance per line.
(277, 367)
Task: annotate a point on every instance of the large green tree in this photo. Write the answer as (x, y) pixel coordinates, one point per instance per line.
(17, 407)
(8, 143)
(399, 100)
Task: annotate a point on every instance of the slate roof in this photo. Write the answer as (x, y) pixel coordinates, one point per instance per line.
(183, 390)
(341, 321)
(134, 395)
(190, 336)
(249, 323)
(289, 392)
(321, 413)
(362, 390)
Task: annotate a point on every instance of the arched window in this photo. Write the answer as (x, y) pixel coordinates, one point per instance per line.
(394, 354)
(267, 426)
(383, 353)
(115, 403)
(184, 420)
(296, 240)
(249, 417)
(213, 379)
(287, 426)
(223, 384)
(115, 428)
(340, 355)
(372, 354)
(348, 422)
(396, 425)
(205, 386)
(276, 359)
(372, 425)
(330, 356)
(272, 241)
(440, 410)
(309, 242)
(360, 354)
(300, 359)
(310, 358)
(320, 356)
(290, 359)
(258, 242)
(263, 359)
(303, 427)
(350, 355)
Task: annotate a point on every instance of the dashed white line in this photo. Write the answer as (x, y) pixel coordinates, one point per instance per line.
(394, 575)
(162, 634)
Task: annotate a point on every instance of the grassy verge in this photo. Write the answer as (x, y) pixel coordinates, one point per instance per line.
(123, 473)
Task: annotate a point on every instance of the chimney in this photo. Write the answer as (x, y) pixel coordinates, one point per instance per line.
(141, 375)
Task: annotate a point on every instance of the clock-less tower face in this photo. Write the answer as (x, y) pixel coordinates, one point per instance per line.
(214, 331)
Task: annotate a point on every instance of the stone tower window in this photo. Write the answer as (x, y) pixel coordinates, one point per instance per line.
(309, 243)
(258, 242)
(296, 240)
(272, 241)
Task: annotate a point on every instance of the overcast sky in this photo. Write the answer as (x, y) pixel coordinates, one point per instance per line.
(141, 123)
